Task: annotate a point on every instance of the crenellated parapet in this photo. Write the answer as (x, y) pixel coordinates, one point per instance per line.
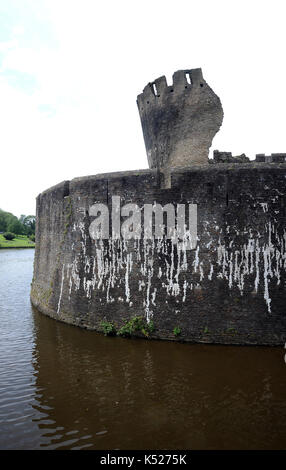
(273, 158)
(227, 157)
(179, 121)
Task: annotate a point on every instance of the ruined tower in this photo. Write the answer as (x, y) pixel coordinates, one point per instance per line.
(179, 121)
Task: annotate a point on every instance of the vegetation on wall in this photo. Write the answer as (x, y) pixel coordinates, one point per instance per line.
(129, 328)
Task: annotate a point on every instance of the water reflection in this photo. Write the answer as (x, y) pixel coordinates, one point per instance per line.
(62, 387)
(116, 394)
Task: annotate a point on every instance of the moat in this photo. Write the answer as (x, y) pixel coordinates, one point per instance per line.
(63, 387)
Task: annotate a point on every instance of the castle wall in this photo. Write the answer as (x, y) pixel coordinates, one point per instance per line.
(230, 289)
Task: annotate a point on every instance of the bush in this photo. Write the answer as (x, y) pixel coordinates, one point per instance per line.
(32, 237)
(136, 324)
(9, 235)
(108, 328)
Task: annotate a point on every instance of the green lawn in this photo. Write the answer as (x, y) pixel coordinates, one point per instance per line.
(21, 241)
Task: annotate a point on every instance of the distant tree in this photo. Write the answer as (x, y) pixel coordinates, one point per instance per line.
(2, 222)
(5, 219)
(29, 222)
(25, 225)
(16, 226)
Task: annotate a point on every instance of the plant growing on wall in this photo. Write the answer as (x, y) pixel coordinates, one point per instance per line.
(108, 328)
(177, 331)
(136, 324)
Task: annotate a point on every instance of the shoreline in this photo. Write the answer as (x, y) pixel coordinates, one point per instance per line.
(17, 247)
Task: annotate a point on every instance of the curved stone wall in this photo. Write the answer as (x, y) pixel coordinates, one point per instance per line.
(229, 289)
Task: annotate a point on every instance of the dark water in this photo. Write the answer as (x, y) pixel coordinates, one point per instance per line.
(66, 388)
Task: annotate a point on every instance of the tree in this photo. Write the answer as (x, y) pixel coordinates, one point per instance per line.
(24, 225)
(15, 226)
(29, 222)
(5, 219)
(2, 222)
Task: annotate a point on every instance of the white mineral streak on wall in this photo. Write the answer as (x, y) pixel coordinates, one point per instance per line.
(172, 275)
(74, 276)
(149, 313)
(266, 279)
(83, 234)
(148, 263)
(264, 206)
(184, 251)
(210, 275)
(196, 262)
(257, 256)
(153, 296)
(61, 291)
(118, 263)
(246, 261)
(185, 290)
(68, 277)
(127, 272)
(141, 284)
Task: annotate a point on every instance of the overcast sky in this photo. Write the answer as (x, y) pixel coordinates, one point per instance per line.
(70, 72)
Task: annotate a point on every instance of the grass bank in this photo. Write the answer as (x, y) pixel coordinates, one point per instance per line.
(21, 241)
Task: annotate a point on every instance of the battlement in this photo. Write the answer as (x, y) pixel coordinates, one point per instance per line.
(179, 121)
(227, 157)
(182, 80)
(273, 158)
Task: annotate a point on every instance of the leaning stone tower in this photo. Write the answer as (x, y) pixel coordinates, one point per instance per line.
(179, 121)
